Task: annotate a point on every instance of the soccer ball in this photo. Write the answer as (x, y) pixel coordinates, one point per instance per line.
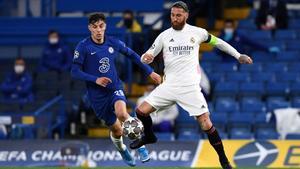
(132, 128)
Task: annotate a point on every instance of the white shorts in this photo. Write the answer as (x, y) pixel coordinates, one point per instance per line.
(190, 98)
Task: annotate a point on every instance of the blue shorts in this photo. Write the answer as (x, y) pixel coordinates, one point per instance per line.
(103, 105)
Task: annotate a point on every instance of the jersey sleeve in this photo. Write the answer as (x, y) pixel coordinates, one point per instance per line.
(157, 46)
(203, 35)
(134, 57)
(78, 60)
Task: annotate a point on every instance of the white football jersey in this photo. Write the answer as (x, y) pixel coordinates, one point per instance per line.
(181, 54)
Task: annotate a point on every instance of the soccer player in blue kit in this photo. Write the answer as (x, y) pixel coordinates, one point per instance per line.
(93, 62)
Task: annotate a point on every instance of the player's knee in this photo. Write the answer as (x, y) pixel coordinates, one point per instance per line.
(140, 112)
(204, 121)
(117, 132)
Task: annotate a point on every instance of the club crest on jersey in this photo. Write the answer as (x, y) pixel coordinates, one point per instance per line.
(111, 50)
(76, 54)
(192, 40)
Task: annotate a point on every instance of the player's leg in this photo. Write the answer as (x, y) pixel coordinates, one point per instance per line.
(192, 100)
(116, 137)
(160, 97)
(122, 115)
(214, 138)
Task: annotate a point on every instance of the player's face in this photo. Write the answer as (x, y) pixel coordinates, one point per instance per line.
(97, 30)
(178, 18)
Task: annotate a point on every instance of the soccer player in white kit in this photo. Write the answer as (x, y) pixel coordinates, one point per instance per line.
(180, 47)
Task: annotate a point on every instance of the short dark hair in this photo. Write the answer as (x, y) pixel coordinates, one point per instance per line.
(229, 21)
(95, 17)
(181, 4)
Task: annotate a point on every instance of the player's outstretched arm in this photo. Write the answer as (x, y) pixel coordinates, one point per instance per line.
(227, 48)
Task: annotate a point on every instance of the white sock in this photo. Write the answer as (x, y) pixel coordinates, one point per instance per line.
(118, 142)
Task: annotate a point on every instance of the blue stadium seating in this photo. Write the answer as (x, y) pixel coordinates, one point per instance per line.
(253, 105)
(285, 35)
(226, 105)
(266, 134)
(226, 89)
(294, 24)
(294, 67)
(293, 45)
(114, 5)
(165, 136)
(253, 68)
(240, 134)
(260, 35)
(296, 101)
(216, 76)
(295, 89)
(252, 89)
(189, 136)
(260, 56)
(275, 104)
(292, 136)
(240, 120)
(238, 77)
(288, 56)
(288, 77)
(247, 24)
(263, 77)
(226, 67)
(279, 67)
(210, 57)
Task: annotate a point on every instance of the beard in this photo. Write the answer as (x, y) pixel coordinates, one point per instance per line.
(177, 25)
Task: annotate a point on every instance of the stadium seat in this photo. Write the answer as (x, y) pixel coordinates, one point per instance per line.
(165, 136)
(296, 101)
(288, 56)
(265, 134)
(259, 56)
(219, 120)
(240, 134)
(226, 89)
(294, 67)
(285, 35)
(295, 89)
(288, 77)
(294, 23)
(260, 35)
(216, 76)
(206, 66)
(253, 68)
(293, 45)
(293, 136)
(279, 67)
(252, 104)
(239, 120)
(225, 67)
(210, 57)
(263, 77)
(238, 77)
(189, 136)
(252, 89)
(246, 24)
(226, 105)
(277, 89)
(275, 104)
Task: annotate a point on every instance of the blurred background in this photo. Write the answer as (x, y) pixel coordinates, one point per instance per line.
(39, 100)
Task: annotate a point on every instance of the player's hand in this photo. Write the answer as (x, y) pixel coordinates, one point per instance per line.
(147, 58)
(244, 59)
(155, 77)
(103, 81)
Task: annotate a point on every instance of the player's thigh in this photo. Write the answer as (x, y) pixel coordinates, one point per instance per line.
(192, 100)
(116, 129)
(161, 97)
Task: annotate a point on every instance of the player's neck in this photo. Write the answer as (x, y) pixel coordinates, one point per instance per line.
(98, 41)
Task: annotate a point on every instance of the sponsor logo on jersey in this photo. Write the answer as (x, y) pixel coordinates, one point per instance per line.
(111, 50)
(181, 50)
(104, 65)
